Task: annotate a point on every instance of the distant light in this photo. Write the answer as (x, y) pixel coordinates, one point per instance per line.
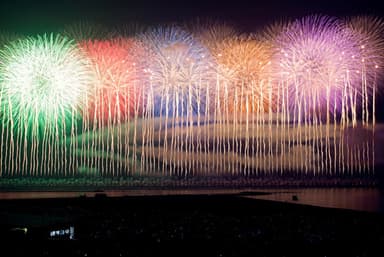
(63, 233)
(71, 232)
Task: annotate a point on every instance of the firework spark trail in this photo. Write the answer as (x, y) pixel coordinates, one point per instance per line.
(129, 30)
(212, 34)
(242, 86)
(44, 80)
(368, 31)
(85, 30)
(7, 37)
(116, 96)
(318, 58)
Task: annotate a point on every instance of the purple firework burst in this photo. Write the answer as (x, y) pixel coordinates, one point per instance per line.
(317, 61)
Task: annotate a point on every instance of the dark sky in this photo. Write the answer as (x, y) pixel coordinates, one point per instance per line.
(35, 16)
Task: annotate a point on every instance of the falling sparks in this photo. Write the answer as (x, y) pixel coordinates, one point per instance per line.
(199, 99)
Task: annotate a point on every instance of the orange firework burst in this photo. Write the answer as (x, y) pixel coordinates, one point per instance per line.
(244, 74)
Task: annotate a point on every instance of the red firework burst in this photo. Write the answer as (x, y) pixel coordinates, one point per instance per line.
(116, 96)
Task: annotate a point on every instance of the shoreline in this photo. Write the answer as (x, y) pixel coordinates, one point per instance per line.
(92, 184)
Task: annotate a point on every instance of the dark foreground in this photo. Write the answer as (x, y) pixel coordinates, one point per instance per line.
(216, 225)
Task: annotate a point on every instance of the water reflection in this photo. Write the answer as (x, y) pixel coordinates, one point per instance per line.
(114, 193)
(362, 199)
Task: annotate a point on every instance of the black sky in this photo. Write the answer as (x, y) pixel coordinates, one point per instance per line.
(38, 16)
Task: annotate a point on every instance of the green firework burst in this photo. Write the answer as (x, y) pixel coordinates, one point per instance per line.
(44, 80)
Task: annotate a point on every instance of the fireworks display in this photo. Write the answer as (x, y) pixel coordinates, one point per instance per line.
(199, 98)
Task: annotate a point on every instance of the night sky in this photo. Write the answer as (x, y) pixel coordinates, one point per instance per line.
(31, 16)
